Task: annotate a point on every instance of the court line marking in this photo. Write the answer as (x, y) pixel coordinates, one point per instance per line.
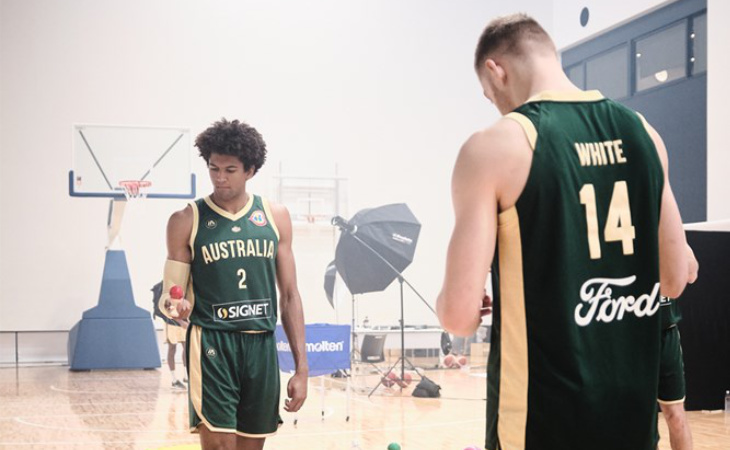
(21, 419)
(105, 430)
(131, 391)
(43, 402)
(101, 442)
(278, 435)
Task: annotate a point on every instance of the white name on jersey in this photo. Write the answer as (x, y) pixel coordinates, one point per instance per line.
(598, 304)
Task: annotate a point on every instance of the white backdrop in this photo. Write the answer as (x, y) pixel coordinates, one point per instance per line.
(385, 89)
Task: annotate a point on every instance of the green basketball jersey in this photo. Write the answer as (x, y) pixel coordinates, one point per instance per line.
(234, 266)
(575, 345)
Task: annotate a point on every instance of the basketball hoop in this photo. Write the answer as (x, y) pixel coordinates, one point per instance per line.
(135, 189)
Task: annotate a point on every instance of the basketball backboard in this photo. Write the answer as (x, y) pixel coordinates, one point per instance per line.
(312, 200)
(105, 155)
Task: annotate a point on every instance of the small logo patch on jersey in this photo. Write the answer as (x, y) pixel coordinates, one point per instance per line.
(211, 352)
(258, 218)
(211, 224)
(236, 229)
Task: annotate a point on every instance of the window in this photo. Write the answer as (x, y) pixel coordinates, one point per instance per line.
(698, 38)
(576, 75)
(608, 73)
(661, 57)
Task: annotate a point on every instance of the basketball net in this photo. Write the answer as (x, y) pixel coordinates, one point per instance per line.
(135, 189)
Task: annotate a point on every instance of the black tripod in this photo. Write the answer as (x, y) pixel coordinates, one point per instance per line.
(402, 359)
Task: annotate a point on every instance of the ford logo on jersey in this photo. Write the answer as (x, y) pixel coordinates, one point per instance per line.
(242, 310)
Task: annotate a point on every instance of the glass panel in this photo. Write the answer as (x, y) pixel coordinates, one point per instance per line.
(699, 44)
(609, 73)
(576, 75)
(661, 57)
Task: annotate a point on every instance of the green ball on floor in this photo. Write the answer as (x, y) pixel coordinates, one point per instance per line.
(394, 446)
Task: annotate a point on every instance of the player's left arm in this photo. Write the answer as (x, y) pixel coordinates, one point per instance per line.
(290, 305)
(472, 244)
(489, 175)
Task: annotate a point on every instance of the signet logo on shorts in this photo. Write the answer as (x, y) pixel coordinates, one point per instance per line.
(258, 218)
(211, 352)
(210, 224)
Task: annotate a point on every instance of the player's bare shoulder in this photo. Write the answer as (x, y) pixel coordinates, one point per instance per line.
(182, 219)
(180, 228)
(280, 215)
(498, 144)
(496, 159)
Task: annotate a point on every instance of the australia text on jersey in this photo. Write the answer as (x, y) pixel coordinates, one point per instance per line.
(599, 305)
(237, 248)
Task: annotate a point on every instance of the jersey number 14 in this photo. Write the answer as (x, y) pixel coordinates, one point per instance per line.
(618, 223)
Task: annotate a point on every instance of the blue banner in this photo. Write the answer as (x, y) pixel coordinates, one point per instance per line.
(328, 349)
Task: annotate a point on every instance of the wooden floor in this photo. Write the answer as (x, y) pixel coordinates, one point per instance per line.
(51, 407)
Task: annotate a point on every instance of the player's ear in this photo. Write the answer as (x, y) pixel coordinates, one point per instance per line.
(495, 70)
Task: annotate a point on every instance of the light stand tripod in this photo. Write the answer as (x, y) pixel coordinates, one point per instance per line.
(402, 359)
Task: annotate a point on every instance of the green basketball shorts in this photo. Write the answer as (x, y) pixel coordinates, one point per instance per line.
(234, 382)
(671, 368)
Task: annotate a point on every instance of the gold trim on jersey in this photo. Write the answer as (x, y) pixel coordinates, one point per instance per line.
(567, 96)
(194, 232)
(195, 384)
(671, 402)
(269, 216)
(643, 120)
(207, 424)
(526, 125)
(222, 212)
(513, 377)
(190, 294)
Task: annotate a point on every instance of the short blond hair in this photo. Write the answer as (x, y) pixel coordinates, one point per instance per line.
(507, 35)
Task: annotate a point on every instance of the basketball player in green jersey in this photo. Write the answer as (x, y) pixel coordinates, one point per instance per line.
(569, 195)
(231, 250)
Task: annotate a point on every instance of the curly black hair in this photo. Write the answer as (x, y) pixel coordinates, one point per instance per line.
(233, 138)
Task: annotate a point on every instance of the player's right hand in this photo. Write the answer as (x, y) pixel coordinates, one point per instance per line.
(183, 309)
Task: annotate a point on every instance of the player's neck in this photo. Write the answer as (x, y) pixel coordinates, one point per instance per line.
(552, 79)
(546, 74)
(233, 205)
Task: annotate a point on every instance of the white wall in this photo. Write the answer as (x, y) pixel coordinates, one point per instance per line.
(603, 15)
(718, 97)
(384, 88)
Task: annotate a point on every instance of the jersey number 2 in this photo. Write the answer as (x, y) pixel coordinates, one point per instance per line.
(242, 281)
(618, 223)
